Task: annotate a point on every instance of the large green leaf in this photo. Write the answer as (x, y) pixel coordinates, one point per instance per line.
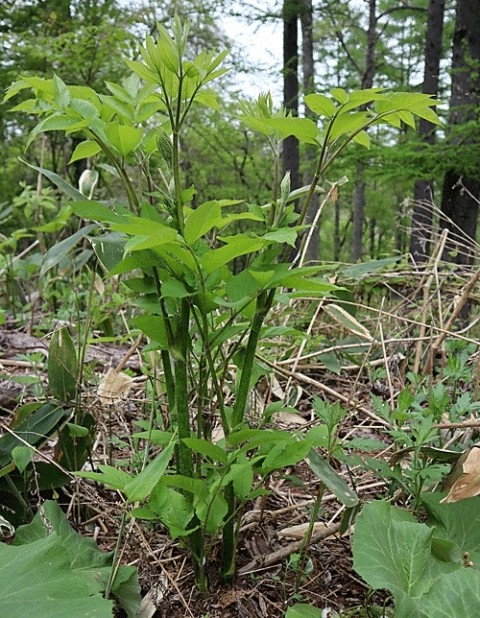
(36, 581)
(391, 550)
(459, 522)
(51, 570)
(304, 129)
(454, 594)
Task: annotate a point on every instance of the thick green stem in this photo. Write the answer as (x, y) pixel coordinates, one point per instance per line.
(264, 302)
(182, 412)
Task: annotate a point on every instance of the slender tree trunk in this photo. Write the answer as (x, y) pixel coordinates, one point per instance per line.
(360, 185)
(306, 20)
(423, 192)
(461, 189)
(291, 155)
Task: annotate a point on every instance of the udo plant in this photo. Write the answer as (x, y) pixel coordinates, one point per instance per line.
(201, 315)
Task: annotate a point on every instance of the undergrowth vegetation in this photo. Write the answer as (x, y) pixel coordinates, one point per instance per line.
(251, 368)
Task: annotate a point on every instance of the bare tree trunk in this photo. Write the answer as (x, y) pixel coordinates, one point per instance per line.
(423, 192)
(306, 20)
(461, 189)
(291, 156)
(360, 186)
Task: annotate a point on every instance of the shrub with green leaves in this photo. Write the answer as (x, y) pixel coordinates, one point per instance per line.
(201, 314)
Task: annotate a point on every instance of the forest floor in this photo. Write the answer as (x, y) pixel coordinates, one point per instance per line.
(269, 577)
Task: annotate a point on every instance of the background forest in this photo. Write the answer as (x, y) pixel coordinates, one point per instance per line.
(239, 365)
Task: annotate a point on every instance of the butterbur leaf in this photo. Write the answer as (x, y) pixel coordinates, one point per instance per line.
(51, 570)
(391, 550)
(302, 610)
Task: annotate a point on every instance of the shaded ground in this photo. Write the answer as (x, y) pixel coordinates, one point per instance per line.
(269, 578)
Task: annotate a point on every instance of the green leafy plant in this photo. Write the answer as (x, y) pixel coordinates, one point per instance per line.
(430, 568)
(201, 314)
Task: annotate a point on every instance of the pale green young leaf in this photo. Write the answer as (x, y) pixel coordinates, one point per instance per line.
(84, 150)
(208, 98)
(84, 108)
(285, 454)
(241, 475)
(407, 118)
(283, 235)
(339, 94)
(121, 93)
(304, 129)
(346, 124)
(95, 211)
(320, 104)
(196, 487)
(125, 138)
(15, 88)
(166, 51)
(202, 220)
(55, 122)
(60, 93)
(363, 139)
(30, 106)
(143, 71)
(124, 110)
(212, 513)
(236, 246)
